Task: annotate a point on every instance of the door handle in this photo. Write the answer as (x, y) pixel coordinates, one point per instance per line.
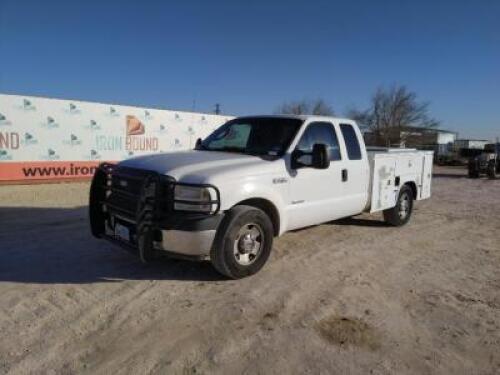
(345, 175)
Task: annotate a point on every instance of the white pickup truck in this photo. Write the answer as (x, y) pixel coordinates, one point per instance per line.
(253, 179)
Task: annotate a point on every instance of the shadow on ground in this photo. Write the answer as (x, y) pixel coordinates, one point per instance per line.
(54, 245)
(360, 222)
(459, 176)
(449, 175)
(353, 221)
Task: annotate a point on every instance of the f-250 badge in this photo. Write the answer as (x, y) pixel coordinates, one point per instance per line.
(280, 180)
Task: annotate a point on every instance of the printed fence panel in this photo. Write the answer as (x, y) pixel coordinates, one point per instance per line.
(42, 138)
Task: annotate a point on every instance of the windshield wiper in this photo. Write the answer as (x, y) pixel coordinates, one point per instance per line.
(238, 150)
(202, 147)
(229, 149)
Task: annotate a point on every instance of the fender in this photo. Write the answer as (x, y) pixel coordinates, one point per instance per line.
(414, 182)
(260, 187)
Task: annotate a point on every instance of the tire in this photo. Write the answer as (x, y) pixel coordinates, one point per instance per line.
(400, 214)
(473, 169)
(473, 174)
(491, 170)
(243, 242)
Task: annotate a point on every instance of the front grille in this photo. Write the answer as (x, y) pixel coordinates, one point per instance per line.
(124, 189)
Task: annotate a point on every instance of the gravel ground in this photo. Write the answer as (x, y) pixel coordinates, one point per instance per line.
(351, 296)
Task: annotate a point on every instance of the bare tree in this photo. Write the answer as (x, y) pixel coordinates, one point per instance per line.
(305, 107)
(393, 112)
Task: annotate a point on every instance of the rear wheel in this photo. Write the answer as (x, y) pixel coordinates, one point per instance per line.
(243, 242)
(400, 214)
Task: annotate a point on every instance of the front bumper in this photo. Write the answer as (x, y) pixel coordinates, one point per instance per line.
(189, 244)
(191, 239)
(189, 235)
(140, 204)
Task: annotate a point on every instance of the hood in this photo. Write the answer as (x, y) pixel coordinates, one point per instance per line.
(203, 166)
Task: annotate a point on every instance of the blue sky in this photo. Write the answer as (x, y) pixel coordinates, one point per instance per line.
(250, 56)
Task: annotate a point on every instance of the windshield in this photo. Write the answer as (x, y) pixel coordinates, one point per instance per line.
(263, 136)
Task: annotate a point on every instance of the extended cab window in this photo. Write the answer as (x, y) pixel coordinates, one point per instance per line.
(351, 141)
(320, 132)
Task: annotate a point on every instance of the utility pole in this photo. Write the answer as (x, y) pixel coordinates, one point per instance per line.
(217, 108)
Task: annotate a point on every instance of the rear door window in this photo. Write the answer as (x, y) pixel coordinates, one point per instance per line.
(351, 142)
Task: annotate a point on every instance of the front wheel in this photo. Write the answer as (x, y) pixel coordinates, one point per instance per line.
(243, 242)
(400, 214)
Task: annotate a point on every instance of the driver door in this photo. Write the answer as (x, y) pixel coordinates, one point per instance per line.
(315, 192)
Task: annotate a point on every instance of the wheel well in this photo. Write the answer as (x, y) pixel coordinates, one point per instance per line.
(413, 188)
(268, 207)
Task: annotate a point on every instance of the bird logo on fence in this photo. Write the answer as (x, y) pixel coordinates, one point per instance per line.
(4, 155)
(29, 139)
(50, 155)
(4, 121)
(27, 105)
(73, 141)
(112, 112)
(73, 109)
(50, 123)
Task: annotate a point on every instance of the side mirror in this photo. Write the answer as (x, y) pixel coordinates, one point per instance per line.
(320, 156)
(197, 145)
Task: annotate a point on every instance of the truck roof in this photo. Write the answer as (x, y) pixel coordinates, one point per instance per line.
(300, 117)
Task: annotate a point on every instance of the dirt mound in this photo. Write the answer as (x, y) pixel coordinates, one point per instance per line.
(345, 331)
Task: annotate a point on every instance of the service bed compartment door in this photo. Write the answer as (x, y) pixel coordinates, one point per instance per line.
(384, 193)
(425, 190)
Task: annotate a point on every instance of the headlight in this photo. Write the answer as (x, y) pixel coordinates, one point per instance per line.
(194, 198)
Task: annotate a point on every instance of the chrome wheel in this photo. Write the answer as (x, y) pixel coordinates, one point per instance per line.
(404, 206)
(248, 244)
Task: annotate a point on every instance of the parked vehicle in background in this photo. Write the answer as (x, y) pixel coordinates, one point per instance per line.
(487, 162)
(251, 180)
